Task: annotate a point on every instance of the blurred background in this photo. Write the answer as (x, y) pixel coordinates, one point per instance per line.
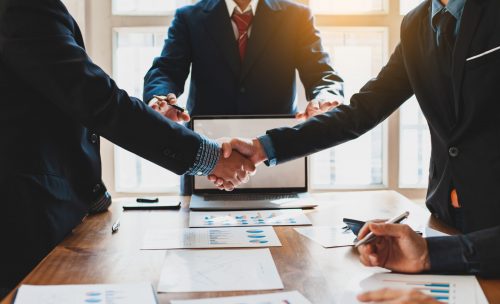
(123, 37)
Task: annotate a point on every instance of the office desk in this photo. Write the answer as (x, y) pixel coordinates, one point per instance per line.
(93, 255)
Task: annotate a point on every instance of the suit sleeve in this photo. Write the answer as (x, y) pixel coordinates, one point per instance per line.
(170, 71)
(37, 44)
(372, 105)
(313, 63)
(475, 253)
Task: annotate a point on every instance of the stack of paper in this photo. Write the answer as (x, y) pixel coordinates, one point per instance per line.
(211, 238)
(219, 270)
(288, 217)
(292, 297)
(76, 294)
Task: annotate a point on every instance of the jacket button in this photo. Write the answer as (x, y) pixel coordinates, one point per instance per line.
(94, 138)
(453, 151)
(242, 90)
(96, 188)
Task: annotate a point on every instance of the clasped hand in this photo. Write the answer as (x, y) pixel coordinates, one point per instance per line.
(237, 163)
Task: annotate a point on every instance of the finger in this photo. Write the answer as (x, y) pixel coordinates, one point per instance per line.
(300, 115)
(212, 178)
(184, 116)
(363, 231)
(171, 98)
(243, 147)
(374, 259)
(385, 294)
(228, 186)
(249, 166)
(226, 149)
(243, 176)
(313, 105)
(394, 230)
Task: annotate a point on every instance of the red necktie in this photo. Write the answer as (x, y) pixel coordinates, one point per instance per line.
(243, 22)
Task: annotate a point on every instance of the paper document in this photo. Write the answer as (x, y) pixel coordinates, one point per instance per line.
(211, 238)
(328, 236)
(219, 270)
(429, 232)
(291, 297)
(76, 294)
(444, 288)
(287, 217)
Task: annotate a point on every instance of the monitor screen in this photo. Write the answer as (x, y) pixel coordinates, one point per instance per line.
(291, 174)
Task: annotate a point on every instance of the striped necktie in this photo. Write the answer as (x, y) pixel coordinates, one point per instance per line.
(243, 22)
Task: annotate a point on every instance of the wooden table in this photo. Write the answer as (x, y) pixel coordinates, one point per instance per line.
(93, 255)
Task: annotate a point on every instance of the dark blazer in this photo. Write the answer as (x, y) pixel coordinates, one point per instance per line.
(283, 39)
(465, 132)
(55, 103)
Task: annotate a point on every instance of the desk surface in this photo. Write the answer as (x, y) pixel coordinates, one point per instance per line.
(93, 255)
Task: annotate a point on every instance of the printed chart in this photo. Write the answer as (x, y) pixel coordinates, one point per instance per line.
(289, 217)
(78, 294)
(231, 237)
(219, 270)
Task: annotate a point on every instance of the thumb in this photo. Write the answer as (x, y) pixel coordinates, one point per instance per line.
(393, 230)
(226, 149)
(243, 147)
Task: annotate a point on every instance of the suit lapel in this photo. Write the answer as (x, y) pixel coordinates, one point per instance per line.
(470, 20)
(218, 24)
(267, 19)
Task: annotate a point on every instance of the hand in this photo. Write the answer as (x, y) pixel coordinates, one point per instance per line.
(397, 247)
(251, 149)
(162, 106)
(315, 107)
(387, 295)
(233, 171)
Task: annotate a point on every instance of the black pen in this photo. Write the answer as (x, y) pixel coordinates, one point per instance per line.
(165, 99)
(115, 226)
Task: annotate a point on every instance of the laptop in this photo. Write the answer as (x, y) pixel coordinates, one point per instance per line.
(280, 187)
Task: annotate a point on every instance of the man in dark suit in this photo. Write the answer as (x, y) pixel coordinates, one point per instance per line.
(55, 105)
(449, 57)
(243, 56)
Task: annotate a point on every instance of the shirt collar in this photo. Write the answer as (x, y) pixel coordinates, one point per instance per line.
(231, 6)
(455, 7)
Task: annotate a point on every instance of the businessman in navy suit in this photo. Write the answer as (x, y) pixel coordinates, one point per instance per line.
(55, 104)
(243, 56)
(449, 58)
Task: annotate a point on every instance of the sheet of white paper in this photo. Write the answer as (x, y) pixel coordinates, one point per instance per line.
(480, 296)
(328, 236)
(448, 289)
(219, 270)
(76, 294)
(291, 297)
(232, 237)
(429, 232)
(288, 217)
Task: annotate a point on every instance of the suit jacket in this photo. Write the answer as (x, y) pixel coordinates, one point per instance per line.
(283, 39)
(464, 132)
(55, 104)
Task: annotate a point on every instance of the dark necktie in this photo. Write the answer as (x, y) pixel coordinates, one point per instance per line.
(445, 36)
(243, 22)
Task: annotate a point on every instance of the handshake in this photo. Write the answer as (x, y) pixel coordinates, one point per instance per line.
(238, 161)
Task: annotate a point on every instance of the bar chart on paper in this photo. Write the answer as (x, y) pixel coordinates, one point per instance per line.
(446, 289)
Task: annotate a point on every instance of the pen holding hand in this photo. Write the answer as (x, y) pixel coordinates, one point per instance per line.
(167, 106)
(396, 247)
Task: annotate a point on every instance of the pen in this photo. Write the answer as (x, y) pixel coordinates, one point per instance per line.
(371, 236)
(115, 226)
(172, 105)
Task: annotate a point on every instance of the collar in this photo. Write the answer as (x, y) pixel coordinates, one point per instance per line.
(455, 7)
(231, 6)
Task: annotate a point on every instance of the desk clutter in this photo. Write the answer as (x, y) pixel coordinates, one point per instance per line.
(230, 251)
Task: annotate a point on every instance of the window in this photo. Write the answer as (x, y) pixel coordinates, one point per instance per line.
(359, 34)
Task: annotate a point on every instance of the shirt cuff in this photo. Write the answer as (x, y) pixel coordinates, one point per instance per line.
(267, 144)
(206, 159)
(447, 255)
